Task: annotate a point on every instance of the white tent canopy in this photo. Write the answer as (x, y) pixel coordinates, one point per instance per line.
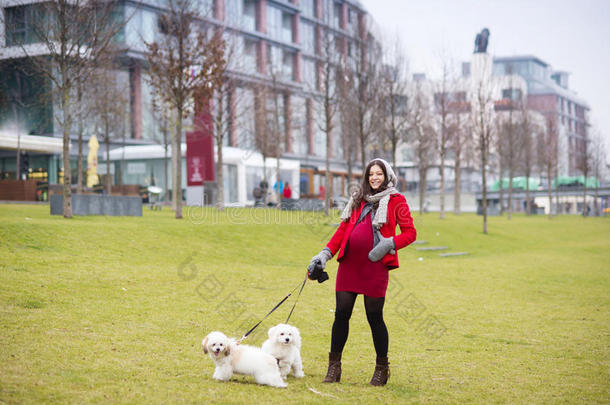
(31, 143)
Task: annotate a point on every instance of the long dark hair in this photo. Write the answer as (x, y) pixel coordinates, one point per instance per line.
(365, 187)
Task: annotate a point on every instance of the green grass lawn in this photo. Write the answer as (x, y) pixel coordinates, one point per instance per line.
(107, 309)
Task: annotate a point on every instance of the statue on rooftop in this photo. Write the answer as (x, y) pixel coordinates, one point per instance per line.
(480, 43)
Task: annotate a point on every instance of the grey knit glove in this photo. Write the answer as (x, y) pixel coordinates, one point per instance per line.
(319, 260)
(385, 246)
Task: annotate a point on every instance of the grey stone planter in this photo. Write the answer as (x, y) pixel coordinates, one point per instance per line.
(98, 204)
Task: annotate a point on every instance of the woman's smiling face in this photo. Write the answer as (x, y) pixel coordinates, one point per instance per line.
(376, 177)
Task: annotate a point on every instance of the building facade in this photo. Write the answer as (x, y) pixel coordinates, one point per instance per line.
(279, 39)
(548, 92)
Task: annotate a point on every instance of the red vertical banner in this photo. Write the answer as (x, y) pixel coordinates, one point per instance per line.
(200, 149)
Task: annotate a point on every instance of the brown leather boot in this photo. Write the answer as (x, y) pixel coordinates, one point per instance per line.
(382, 372)
(334, 368)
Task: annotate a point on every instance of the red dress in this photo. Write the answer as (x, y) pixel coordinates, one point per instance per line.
(356, 272)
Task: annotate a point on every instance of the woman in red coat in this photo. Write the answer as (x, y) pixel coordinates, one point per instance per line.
(367, 243)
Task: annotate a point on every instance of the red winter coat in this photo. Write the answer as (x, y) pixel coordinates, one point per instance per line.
(398, 214)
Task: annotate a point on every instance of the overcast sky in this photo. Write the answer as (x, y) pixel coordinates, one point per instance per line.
(570, 35)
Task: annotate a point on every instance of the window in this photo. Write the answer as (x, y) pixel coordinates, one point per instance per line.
(308, 37)
(241, 13)
(208, 7)
(229, 174)
(309, 73)
(21, 24)
(499, 69)
(288, 64)
(275, 117)
(308, 8)
(337, 143)
(512, 94)
(250, 55)
(245, 118)
(248, 21)
(141, 28)
(287, 27)
(298, 107)
(281, 62)
(279, 24)
(319, 139)
(337, 15)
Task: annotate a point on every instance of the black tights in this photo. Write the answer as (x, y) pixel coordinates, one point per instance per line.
(374, 314)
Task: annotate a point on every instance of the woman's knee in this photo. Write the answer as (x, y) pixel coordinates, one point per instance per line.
(375, 317)
(343, 314)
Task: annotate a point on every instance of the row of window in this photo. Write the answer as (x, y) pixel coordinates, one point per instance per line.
(570, 108)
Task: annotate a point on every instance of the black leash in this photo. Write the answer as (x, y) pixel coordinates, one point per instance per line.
(297, 300)
(276, 307)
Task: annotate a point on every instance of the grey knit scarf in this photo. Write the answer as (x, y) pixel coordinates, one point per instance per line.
(383, 198)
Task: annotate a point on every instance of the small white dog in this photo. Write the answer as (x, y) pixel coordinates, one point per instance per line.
(231, 357)
(284, 344)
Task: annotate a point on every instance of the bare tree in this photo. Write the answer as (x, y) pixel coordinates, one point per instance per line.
(597, 163)
(276, 127)
(547, 155)
(509, 150)
(394, 95)
(163, 118)
(527, 130)
(482, 114)
(443, 98)
(364, 94)
(460, 142)
(331, 67)
(183, 64)
(72, 35)
(584, 163)
(225, 102)
(110, 103)
(421, 136)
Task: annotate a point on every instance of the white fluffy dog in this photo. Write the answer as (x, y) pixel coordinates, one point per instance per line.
(284, 344)
(231, 357)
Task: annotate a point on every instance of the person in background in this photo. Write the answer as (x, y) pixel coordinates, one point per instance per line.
(287, 191)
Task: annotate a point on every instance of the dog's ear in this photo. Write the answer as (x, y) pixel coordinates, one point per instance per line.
(228, 350)
(271, 332)
(297, 337)
(204, 344)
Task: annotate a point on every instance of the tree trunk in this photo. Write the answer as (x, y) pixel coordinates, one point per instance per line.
(165, 163)
(559, 210)
(501, 189)
(442, 196)
(220, 201)
(66, 153)
(550, 194)
(277, 177)
(422, 189)
(584, 197)
(79, 175)
(484, 179)
(327, 178)
(457, 190)
(178, 184)
(509, 208)
(108, 178)
(528, 203)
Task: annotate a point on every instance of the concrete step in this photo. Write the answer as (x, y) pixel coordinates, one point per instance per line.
(452, 254)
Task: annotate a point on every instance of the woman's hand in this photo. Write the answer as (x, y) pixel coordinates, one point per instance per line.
(385, 246)
(317, 265)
